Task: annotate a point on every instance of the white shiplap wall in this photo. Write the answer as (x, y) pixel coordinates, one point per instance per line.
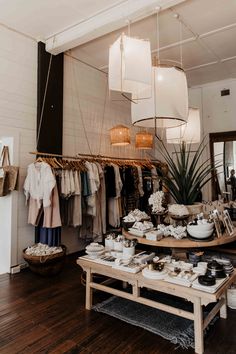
(84, 98)
(18, 103)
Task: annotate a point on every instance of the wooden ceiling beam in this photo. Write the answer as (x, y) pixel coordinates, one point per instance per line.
(105, 22)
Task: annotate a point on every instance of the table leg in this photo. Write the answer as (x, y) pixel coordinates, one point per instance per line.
(124, 284)
(198, 327)
(89, 290)
(223, 309)
(136, 289)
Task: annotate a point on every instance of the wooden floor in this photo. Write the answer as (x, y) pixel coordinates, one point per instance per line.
(47, 315)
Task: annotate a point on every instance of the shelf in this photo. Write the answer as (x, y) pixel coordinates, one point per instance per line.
(171, 242)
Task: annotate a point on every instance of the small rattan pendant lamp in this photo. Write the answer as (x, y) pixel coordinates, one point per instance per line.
(144, 140)
(120, 135)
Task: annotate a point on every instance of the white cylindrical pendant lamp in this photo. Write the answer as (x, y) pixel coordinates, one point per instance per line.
(168, 106)
(130, 67)
(190, 133)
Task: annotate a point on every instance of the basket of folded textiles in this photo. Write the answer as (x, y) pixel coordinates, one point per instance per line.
(47, 264)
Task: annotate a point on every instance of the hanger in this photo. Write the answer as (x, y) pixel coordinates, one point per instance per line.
(39, 159)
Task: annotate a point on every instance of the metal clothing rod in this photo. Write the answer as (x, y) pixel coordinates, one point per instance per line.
(88, 156)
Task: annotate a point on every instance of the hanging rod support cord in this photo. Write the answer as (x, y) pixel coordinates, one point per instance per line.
(85, 63)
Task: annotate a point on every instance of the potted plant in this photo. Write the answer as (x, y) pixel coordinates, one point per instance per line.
(186, 175)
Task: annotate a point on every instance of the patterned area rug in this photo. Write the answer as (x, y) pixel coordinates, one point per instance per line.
(176, 329)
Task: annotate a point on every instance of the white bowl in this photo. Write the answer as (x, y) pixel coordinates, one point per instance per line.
(200, 231)
(94, 254)
(204, 227)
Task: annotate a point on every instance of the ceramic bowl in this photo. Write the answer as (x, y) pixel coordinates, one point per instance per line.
(200, 231)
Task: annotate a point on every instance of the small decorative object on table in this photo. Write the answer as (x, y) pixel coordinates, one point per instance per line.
(109, 241)
(228, 222)
(45, 260)
(94, 250)
(177, 232)
(118, 243)
(158, 210)
(179, 213)
(129, 248)
(195, 256)
(156, 200)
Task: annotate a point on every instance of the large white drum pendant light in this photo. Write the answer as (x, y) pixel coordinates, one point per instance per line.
(168, 106)
(189, 133)
(130, 67)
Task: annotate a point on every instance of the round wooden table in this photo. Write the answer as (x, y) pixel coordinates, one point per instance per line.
(171, 242)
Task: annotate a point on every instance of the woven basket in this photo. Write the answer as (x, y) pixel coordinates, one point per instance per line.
(46, 265)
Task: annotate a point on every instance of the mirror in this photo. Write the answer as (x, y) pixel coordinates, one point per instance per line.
(223, 148)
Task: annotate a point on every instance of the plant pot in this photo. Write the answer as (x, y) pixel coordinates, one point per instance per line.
(195, 209)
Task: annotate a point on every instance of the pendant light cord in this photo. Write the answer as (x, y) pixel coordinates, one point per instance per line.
(44, 99)
(82, 117)
(80, 111)
(103, 116)
(158, 35)
(181, 46)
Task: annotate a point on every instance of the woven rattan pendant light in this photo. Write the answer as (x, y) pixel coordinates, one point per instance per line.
(144, 140)
(120, 135)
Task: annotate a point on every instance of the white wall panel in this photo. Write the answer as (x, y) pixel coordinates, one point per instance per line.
(18, 103)
(218, 112)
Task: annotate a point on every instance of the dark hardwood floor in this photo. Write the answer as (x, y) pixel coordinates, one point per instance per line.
(47, 315)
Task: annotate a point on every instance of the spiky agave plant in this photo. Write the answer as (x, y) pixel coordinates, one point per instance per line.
(187, 175)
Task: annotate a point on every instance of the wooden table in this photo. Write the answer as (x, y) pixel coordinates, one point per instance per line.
(184, 242)
(197, 297)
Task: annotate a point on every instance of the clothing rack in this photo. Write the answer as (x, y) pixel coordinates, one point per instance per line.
(99, 158)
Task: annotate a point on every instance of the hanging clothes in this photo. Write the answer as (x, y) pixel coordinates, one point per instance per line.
(114, 204)
(48, 236)
(110, 182)
(133, 196)
(155, 180)
(77, 207)
(94, 181)
(85, 186)
(39, 183)
(140, 181)
(51, 213)
(88, 199)
(41, 191)
(99, 221)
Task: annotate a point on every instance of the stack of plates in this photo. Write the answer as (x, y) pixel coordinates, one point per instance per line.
(94, 250)
(227, 265)
(154, 274)
(228, 268)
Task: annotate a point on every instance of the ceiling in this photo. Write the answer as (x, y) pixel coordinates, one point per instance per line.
(41, 19)
(208, 32)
